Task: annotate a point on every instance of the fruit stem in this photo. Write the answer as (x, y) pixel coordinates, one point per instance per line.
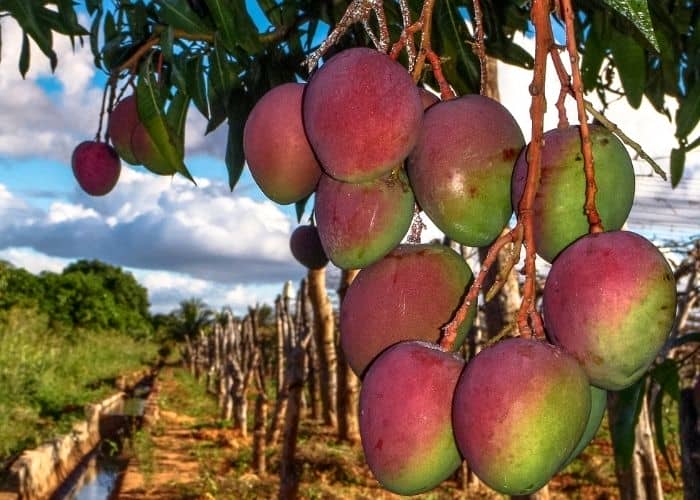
(132, 62)
(564, 81)
(528, 318)
(450, 330)
(602, 119)
(480, 47)
(595, 225)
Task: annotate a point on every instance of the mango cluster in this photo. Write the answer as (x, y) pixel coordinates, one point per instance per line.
(372, 146)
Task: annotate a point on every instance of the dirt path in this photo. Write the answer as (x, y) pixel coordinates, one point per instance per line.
(169, 451)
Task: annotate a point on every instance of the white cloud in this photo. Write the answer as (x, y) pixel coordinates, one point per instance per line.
(33, 261)
(151, 222)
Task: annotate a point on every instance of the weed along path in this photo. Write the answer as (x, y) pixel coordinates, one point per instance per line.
(187, 452)
(169, 452)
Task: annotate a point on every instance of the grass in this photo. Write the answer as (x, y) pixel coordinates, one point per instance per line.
(46, 378)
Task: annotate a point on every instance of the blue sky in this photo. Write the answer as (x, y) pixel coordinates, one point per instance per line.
(180, 240)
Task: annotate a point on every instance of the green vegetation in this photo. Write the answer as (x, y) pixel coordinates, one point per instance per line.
(64, 339)
(87, 295)
(46, 379)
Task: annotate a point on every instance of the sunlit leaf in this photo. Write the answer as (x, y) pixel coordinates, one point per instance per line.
(637, 11)
(151, 115)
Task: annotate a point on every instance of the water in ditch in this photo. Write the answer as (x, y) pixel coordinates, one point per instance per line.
(98, 475)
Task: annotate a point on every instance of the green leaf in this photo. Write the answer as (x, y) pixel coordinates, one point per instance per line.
(151, 115)
(684, 339)
(666, 374)
(23, 13)
(660, 438)
(178, 14)
(677, 165)
(630, 61)
(222, 13)
(166, 43)
(94, 39)
(197, 84)
(592, 60)
(299, 206)
(246, 33)
(687, 115)
(629, 404)
(637, 11)
(176, 117)
(24, 55)
(239, 108)
(222, 74)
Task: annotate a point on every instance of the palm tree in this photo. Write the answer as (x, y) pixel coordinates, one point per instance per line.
(190, 319)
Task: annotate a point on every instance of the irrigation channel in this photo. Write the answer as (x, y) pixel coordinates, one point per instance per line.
(98, 474)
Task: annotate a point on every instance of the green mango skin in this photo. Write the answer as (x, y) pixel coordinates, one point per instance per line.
(405, 417)
(360, 223)
(276, 149)
(462, 165)
(610, 301)
(599, 399)
(408, 295)
(146, 152)
(519, 410)
(362, 113)
(558, 211)
(122, 122)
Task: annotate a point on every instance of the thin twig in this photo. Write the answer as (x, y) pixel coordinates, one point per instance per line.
(595, 225)
(480, 47)
(528, 318)
(450, 330)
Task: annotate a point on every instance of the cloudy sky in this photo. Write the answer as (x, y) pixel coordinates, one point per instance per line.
(182, 240)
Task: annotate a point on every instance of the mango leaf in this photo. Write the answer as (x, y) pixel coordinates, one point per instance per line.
(179, 14)
(630, 61)
(93, 5)
(24, 14)
(637, 11)
(24, 55)
(195, 76)
(677, 165)
(687, 115)
(666, 375)
(222, 13)
(94, 39)
(222, 74)
(299, 206)
(684, 339)
(66, 10)
(239, 108)
(272, 11)
(629, 404)
(234, 24)
(176, 117)
(592, 60)
(151, 115)
(166, 43)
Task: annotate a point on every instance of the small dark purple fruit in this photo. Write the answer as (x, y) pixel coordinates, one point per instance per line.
(96, 167)
(306, 247)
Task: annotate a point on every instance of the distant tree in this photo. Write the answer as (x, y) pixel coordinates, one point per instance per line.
(191, 317)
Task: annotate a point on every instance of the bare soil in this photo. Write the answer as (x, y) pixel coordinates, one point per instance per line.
(200, 457)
